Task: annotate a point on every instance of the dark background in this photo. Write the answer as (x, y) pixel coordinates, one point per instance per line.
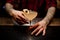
(3, 12)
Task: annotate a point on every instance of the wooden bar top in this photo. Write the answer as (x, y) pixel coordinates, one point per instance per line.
(8, 21)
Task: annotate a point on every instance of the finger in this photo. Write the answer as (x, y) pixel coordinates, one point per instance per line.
(23, 16)
(22, 19)
(39, 32)
(33, 26)
(35, 30)
(19, 21)
(44, 31)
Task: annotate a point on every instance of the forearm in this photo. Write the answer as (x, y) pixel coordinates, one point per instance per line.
(9, 7)
(50, 14)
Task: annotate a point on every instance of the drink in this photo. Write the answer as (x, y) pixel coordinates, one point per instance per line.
(30, 15)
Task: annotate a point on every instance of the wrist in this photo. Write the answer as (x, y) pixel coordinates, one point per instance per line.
(11, 12)
(45, 20)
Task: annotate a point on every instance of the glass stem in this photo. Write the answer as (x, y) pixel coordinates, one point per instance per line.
(30, 23)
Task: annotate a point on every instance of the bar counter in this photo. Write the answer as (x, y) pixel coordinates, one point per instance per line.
(8, 21)
(22, 33)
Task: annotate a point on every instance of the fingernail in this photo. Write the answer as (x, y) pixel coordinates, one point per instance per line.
(31, 33)
(35, 34)
(42, 34)
(27, 22)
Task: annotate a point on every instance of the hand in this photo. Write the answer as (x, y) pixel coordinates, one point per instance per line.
(18, 16)
(39, 27)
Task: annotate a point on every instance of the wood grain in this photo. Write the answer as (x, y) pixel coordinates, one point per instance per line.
(8, 21)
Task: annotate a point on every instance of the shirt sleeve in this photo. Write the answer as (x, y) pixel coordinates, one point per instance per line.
(13, 2)
(51, 3)
(10, 1)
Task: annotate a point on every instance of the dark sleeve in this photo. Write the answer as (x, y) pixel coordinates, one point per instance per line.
(10, 1)
(13, 2)
(51, 3)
